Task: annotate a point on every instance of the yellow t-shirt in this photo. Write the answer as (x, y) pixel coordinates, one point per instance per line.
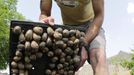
(76, 11)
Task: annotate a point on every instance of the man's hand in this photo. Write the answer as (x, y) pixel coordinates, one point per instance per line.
(45, 16)
(84, 57)
(48, 20)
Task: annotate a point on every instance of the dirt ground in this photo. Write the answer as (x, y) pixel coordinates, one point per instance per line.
(113, 70)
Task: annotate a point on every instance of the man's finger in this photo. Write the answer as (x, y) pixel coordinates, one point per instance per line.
(42, 21)
(51, 21)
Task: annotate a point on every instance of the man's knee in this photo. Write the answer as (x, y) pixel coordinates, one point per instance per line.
(98, 59)
(97, 55)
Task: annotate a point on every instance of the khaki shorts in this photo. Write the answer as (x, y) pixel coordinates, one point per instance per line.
(99, 41)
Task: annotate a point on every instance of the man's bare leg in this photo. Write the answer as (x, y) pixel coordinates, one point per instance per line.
(98, 61)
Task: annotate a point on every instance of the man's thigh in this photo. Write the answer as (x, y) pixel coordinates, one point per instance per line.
(99, 41)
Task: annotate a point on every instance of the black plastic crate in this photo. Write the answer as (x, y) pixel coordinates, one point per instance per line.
(40, 64)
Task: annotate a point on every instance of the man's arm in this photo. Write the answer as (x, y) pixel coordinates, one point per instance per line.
(45, 7)
(98, 7)
(45, 16)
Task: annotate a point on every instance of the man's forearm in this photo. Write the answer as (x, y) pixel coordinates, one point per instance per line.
(93, 30)
(45, 7)
(98, 7)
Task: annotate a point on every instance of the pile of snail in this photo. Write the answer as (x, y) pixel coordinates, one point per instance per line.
(61, 46)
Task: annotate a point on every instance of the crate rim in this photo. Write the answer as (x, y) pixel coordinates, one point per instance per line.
(46, 25)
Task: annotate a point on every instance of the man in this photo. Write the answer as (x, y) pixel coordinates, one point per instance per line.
(83, 13)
